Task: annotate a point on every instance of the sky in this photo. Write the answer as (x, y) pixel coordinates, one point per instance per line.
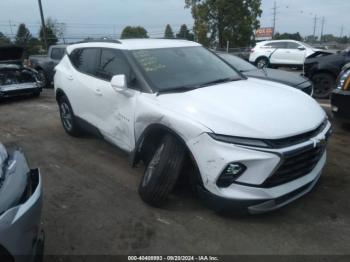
(97, 18)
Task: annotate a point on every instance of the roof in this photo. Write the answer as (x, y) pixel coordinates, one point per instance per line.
(136, 44)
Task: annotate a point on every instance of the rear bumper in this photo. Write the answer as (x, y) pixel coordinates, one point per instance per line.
(340, 101)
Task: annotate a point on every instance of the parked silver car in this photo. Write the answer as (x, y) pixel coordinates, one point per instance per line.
(21, 236)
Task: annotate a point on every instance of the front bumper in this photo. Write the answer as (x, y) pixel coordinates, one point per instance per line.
(340, 101)
(21, 236)
(19, 89)
(249, 191)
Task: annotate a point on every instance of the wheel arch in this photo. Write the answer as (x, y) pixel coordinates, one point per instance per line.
(153, 134)
(60, 93)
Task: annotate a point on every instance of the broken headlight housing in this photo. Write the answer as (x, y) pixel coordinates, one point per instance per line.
(240, 140)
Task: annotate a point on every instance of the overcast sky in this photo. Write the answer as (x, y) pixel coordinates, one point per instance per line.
(108, 17)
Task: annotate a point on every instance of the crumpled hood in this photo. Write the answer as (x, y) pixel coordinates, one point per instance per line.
(249, 108)
(3, 157)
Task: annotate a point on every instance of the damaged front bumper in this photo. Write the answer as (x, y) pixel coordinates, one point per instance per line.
(271, 179)
(21, 236)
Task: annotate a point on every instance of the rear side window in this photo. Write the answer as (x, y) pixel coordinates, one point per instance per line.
(277, 45)
(85, 60)
(57, 53)
(112, 63)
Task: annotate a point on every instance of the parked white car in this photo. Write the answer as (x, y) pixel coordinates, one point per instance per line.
(255, 145)
(281, 53)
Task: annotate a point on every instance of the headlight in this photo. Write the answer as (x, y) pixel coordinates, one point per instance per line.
(240, 141)
(343, 84)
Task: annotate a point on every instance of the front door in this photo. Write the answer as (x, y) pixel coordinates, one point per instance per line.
(115, 108)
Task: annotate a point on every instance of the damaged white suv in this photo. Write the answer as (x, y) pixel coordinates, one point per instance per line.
(255, 145)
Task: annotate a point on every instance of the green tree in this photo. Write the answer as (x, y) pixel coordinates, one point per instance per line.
(225, 20)
(134, 32)
(23, 36)
(311, 39)
(184, 33)
(4, 40)
(168, 34)
(295, 36)
(51, 32)
(34, 46)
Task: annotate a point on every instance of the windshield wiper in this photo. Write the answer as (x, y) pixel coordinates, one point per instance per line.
(178, 89)
(219, 81)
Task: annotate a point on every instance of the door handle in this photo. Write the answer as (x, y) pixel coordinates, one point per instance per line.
(98, 92)
(70, 77)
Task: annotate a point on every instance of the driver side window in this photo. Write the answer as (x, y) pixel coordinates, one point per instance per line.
(112, 63)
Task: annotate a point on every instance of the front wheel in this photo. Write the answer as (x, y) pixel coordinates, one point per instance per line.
(68, 118)
(262, 62)
(162, 171)
(324, 83)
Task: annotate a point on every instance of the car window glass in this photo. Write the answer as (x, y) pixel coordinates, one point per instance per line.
(292, 45)
(277, 45)
(238, 63)
(85, 60)
(112, 63)
(57, 53)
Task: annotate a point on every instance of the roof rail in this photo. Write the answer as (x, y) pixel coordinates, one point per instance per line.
(99, 41)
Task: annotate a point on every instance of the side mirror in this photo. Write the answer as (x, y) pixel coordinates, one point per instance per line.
(301, 48)
(118, 82)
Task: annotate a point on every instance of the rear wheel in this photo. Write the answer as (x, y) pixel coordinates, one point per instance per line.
(68, 119)
(324, 83)
(162, 171)
(262, 62)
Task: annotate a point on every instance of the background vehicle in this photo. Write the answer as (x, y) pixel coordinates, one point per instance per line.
(21, 237)
(166, 102)
(340, 98)
(45, 64)
(14, 78)
(282, 53)
(283, 77)
(324, 70)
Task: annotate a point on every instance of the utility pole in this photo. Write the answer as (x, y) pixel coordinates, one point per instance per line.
(274, 17)
(341, 31)
(43, 24)
(322, 28)
(315, 26)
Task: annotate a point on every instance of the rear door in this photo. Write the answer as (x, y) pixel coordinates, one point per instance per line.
(278, 55)
(82, 82)
(115, 108)
(295, 56)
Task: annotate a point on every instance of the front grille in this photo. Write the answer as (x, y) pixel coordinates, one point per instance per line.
(295, 165)
(298, 139)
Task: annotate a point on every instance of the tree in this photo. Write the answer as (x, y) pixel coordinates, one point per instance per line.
(168, 34)
(184, 33)
(51, 32)
(225, 20)
(311, 39)
(134, 32)
(23, 36)
(295, 36)
(34, 46)
(4, 40)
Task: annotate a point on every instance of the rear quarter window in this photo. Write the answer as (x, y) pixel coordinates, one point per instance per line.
(85, 60)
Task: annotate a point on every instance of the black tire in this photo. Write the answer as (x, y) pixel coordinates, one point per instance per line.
(43, 78)
(262, 62)
(36, 94)
(68, 119)
(324, 83)
(162, 171)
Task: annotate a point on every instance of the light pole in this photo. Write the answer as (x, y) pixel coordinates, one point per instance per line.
(43, 24)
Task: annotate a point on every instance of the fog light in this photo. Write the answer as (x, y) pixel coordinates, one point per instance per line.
(231, 173)
(334, 109)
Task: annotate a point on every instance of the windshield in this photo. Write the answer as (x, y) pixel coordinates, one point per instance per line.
(238, 63)
(183, 67)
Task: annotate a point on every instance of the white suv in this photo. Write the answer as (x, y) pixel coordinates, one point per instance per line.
(255, 145)
(280, 53)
